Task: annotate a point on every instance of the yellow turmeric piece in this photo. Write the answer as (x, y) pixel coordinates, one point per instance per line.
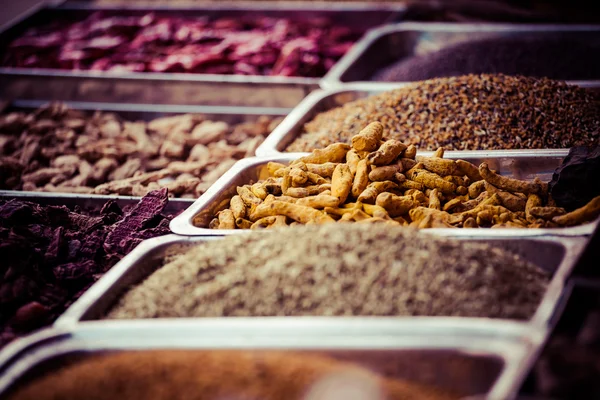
(470, 170)
(434, 200)
(258, 190)
(369, 195)
(298, 177)
(431, 180)
(395, 205)
(385, 173)
(298, 213)
(368, 139)
(226, 219)
(237, 206)
(274, 167)
(508, 184)
(335, 153)
(247, 196)
(410, 153)
(352, 159)
(509, 200)
(476, 188)
(325, 170)
(387, 152)
(361, 178)
(318, 201)
(546, 212)
(440, 166)
(341, 182)
(587, 213)
(439, 153)
(242, 223)
(307, 190)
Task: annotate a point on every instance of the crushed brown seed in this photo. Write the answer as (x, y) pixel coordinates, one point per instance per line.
(338, 269)
(467, 113)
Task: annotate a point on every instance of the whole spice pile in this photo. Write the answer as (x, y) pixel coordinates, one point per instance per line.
(211, 375)
(467, 113)
(52, 254)
(58, 149)
(376, 181)
(243, 45)
(338, 269)
(511, 55)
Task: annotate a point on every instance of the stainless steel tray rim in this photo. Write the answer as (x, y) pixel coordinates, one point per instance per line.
(333, 78)
(183, 223)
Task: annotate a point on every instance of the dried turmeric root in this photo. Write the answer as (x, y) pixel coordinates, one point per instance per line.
(369, 195)
(508, 184)
(237, 206)
(440, 166)
(395, 205)
(470, 170)
(431, 180)
(434, 200)
(509, 200)
(361, 178)
(335, 153)
(325, 170)
(298, 213)
(368, 139)
(386, 173)
(587, 213)
(387, 152)
(341, 182)
(226, 219)
(247, 196)
(318, 201)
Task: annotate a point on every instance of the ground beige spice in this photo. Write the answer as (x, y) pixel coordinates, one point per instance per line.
(468, 112)
(338, 269)
(213, 375)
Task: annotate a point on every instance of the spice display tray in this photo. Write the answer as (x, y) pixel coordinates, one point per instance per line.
(520, 164)
(388, 44)
(145, 112)
(323, 100)
(174, 88)
(557, 256)
(469, 360)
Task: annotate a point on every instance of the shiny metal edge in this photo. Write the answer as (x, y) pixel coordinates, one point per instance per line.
(183, 223)
(333, 78)
(389, 13)
(316, 102)
(89, 338)
(96, 300)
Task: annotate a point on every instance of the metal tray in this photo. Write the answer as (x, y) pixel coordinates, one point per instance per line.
(557, 256)
(516, 163)
(174, 88)
(386, 45)
(146, 112)
(323, 100)
(469, 361)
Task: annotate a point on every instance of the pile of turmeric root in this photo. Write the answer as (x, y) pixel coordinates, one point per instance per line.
(386, 182)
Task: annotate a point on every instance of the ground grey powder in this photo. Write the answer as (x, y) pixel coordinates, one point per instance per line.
(338, 269)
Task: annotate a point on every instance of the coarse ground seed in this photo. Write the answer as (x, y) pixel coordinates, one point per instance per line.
(467, 113)
(211, 375)
(513, 55)
(338, 269)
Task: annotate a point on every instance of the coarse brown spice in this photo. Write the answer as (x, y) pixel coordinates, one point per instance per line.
(467, 113)
(338, 269)
(211, 375)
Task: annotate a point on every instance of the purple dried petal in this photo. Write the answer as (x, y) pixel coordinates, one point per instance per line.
(74, 271)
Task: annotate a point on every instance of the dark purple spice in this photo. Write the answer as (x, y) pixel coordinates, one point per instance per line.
(52, 254)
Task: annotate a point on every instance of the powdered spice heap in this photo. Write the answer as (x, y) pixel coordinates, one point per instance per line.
(467, 113)
(338, 269)
(212, 375)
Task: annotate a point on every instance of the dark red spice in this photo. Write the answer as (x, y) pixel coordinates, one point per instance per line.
(248, 45)
(52, 254)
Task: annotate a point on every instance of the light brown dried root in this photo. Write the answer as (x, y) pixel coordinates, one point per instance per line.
(368, 139)
(470, 170)
(385, 173)
(508, 184)
(410, 152)
(237, 206)
(226, 219)
(434, 200)
(298, 213)
(431, 180)
(335, 153)
(587, 213)
(476, 188)
(318, 201)
(341, 182)
(440, 166)
(509, 200)
(325, 170)
(395, 205)
(387, 153)
(369, 195)
(361, 178)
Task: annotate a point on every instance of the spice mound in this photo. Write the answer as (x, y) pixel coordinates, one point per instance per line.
(467, 113)
(52, 254)
(58, 149)
(529, 55)
(211, 375)
(335, 270)
(376, 181)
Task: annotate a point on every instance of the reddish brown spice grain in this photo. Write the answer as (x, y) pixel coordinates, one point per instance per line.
(213, 375)
(467, 113)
